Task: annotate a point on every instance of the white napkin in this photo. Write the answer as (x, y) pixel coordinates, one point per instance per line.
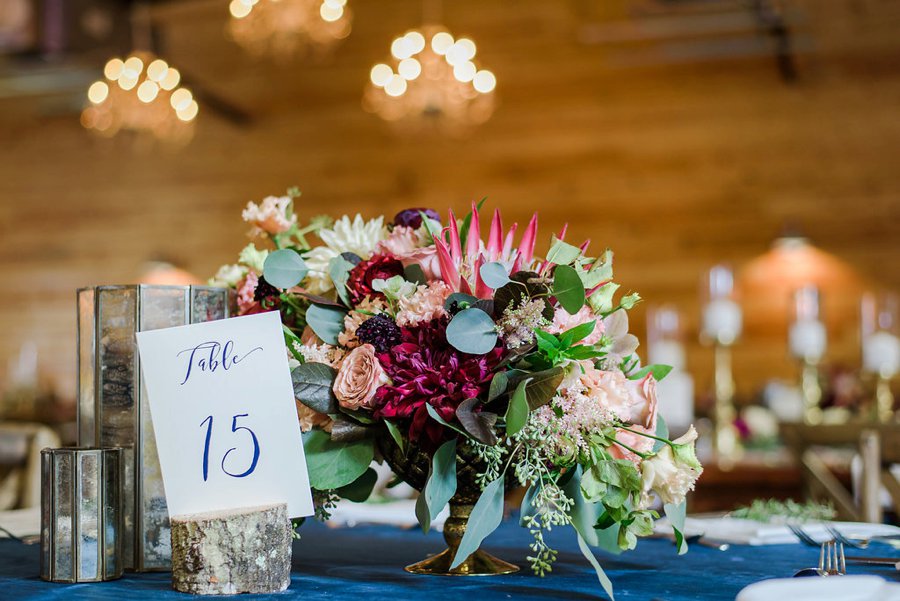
(21, 522)
(845, 588)
(750, 532)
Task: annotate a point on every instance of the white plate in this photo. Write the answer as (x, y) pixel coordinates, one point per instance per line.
(837, 588)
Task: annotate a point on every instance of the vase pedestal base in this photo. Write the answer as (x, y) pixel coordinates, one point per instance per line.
(478, 563)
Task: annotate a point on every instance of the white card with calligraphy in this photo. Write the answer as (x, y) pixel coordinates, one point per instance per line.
(223, 411)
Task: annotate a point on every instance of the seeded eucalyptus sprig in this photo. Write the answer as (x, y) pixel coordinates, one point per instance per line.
(769, 510)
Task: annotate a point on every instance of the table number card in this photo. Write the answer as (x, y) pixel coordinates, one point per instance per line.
(223, 412)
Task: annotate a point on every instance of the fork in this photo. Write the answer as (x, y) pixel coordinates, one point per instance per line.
(831, 559)
(836, 534)
(804, 538)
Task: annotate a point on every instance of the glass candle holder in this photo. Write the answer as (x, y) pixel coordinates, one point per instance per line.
(113, 409)
(879, 331)
(665, 346)
(81, 514)
(807, 341)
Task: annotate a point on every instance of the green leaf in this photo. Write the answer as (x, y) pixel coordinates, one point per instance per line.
(339, 270)
(568, 289)
(604, 580)
(527, 509)
(658, 371)
(479, 425)
(498, 385)
(523, 285)
(585, 515)
(345, 430)
(484, 519)
(467, 222)
(677, 515)
(439, 419)
(313, 384)
(335, 464)
(440, 485)
(662, 431)
(517, 411)
(395, 434)
(562, 253)
(326, 322)
(578, 333)
(472, 331)
(289, 339)
(414, 273)
(494, 275)
(541, 386)
(284, 268)
(459, 298)
(360, 489)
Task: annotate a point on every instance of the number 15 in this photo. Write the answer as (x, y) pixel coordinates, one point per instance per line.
(234, 428)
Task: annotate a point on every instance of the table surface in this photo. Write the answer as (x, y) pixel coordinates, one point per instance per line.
(366, 562)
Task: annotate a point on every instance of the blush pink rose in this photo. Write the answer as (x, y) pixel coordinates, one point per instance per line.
(270, 216)
(400, 241)
(630, 401)
(359, 376)
(426, 258)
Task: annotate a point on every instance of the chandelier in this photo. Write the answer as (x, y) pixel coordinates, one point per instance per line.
(432, 82)
(287, 28)
(140, 94)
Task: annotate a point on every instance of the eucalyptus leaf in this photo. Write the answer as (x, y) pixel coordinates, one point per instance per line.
(517, 411)
(604, 580)
(326, 322)
(494, 274)
(568, 288)
(335, 464)
(472, 331)
(339, 270)
(480, 425)
(584, 516)
(498, 385)
(414, 273)
(313, 384)
(440, 485)
(360, 489)
(284, 268)
(484, 519)
(662, 431)
(523, 285)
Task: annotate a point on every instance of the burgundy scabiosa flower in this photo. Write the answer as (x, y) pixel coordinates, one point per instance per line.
(413, 217)
(379, 267)
(380, 331)
(424, 368)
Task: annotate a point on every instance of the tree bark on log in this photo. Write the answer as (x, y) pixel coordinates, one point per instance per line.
(229, 552)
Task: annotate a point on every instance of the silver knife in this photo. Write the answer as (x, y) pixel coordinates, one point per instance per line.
(876, 561)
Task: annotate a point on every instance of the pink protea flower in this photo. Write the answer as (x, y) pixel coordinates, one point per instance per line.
(424, 368)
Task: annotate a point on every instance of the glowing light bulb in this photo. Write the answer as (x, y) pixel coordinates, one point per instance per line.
(133, 67)
(126, 83)
(336, 3)
(188, 112)
(396, 86)
(239, 9)
(157, 70)
(181, 99)
(441, 42)
(147, 91)
(409, 69)
(466, 48)
(381, 74)
(401, 48)
(464, 72)
(98, 92)
(415, 42)
(170, 80)
(484, 81)
(113, 69)
(331, 13)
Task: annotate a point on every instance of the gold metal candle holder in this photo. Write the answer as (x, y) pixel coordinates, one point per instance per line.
(726, 444)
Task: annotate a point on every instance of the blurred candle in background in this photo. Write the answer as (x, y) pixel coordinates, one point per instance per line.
(665, 346)
(807, 337)
(721, 314)
(880, 344)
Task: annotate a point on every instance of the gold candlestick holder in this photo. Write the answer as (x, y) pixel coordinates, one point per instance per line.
(812, 393)
(884, 400)
(726, 442)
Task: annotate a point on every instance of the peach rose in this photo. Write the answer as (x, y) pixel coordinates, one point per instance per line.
(426, 258)
(270, 216)
(631, 401)
(562, 321)
(400, 241)
(358, 378)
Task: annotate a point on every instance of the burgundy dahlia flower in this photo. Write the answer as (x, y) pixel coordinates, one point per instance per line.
(379, 267)
(424, 368)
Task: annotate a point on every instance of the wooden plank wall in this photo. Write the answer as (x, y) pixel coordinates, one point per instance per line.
(674, 165)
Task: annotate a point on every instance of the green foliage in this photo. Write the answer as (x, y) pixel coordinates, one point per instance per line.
(462, 300)
(658, 371)
(326, 322)
(333, 464)
(479, 424)
(360, 489)
(339, 270)
(433, 413)
(568, 288)
(677, 515)
(562, 253)
(440, 485)
(395, 434)
(604, 580)
(494, 275)
(472, 331)
(517, 411)
(284, 268)
(769, 510)
(555, 350)
(291, 341)
(484, 519)
(498, 385)
(313, 384)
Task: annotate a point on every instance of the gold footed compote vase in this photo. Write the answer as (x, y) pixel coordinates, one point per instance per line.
(412, 466)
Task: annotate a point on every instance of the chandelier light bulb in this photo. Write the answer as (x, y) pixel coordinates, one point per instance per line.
(156, 70)
(409, 69)
(147, 91)
(441, 42)
(381, 74)
(170, 80)
(484, 81)
(113, 69)
(396, 86)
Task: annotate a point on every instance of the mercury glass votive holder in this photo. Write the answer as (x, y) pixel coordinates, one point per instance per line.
(81, 514)
(113, 409)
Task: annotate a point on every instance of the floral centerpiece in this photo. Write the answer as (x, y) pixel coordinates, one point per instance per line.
(471, 366)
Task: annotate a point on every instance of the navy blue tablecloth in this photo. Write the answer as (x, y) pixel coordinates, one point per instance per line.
(366, 563)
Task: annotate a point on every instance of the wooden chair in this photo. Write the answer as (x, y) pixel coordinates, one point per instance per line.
(877, 444)
(20, 462)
